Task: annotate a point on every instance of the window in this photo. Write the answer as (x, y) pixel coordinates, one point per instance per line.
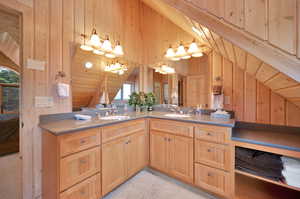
(125, 92)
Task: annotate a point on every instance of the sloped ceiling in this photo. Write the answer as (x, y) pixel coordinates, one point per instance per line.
(275, 69)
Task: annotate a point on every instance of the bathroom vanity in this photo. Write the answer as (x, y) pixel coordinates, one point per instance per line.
(89, 159)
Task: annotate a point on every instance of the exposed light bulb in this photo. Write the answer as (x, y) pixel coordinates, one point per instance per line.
(95, 39)
(168, 69)
(181, 51)
(170, 52)
(88, 65)
(106, 46)
(86, 47)
(121, 72)
(118, 50)
(110, 55)
(98, 52)
(193, 48)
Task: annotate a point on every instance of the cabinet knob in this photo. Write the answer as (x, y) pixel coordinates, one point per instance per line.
(209, 134)
(166, 139)
(82, 161)
(83, 141)
(169, 139)
(209, 150)
(209, 174)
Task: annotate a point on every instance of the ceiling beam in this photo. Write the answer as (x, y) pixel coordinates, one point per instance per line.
(284, 62)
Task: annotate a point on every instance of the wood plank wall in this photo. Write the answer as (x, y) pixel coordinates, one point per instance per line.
(251, 100)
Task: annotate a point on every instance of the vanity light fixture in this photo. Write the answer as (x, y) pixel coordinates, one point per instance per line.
(182, 52)
(98, 47)
(116, 68)
(165, 69)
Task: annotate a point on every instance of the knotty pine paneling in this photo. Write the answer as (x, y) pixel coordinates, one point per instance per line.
(254, 101)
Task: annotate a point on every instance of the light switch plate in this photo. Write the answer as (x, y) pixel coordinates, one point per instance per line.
(43, 102)
(227, 100)
(36, 64)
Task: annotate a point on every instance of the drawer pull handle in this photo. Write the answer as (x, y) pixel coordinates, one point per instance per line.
(169, 139)
(209, 150)
(209, 174)
(82, 161)
(166, 139)
(209, 134)
(83, 141)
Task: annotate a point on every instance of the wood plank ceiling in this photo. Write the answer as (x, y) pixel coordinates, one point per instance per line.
(267, 74)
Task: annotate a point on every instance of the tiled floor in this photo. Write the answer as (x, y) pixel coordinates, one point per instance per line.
(152, 185)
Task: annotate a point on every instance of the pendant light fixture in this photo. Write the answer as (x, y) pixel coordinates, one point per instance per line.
(95, 39)
(116, 68)
(170, 52)
(182, 52)
(118, 49)
(106, 46)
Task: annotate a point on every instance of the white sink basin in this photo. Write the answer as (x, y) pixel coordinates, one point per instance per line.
(177, 115)
(115, 117)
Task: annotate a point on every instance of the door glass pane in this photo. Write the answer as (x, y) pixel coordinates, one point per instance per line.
(127, 90)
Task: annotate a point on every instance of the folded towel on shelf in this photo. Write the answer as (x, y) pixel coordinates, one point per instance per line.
(291, 165)
(259, 158)
(291, 178)
(82, 117)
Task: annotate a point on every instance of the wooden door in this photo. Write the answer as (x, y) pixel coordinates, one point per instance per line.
(113, 164)
(158, 150)
(181, 153)
(136, 153)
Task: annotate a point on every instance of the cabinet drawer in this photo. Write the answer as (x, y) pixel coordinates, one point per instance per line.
(168, 126)
(122, 129)
(211, 154)
(88, 189)
(79, 166)
(75, 142)
(213, 180)
(213, 133)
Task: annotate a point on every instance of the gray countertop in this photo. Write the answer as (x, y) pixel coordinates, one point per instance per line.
(69, 125)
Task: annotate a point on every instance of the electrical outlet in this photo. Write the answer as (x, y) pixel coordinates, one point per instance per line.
(44, 102)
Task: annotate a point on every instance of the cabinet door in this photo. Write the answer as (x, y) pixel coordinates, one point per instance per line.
(181, 153)
(113, 164)
(158, 150)
(136, 153)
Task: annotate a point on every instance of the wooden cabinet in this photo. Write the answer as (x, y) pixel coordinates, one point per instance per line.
(136, 153)
(88, 189)
(212, 180)
(113, 164)
(122, 158)
(181, 158)
(159, 151)
(71, 165)
(172, 154)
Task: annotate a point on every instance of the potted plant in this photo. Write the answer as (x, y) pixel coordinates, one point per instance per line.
(150, 100)
(134, 100)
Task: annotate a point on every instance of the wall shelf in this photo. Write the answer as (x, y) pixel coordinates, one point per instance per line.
(266, 180)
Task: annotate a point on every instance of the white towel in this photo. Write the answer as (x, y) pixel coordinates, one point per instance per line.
(291, 165)
(82, 117)
(291, 178)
